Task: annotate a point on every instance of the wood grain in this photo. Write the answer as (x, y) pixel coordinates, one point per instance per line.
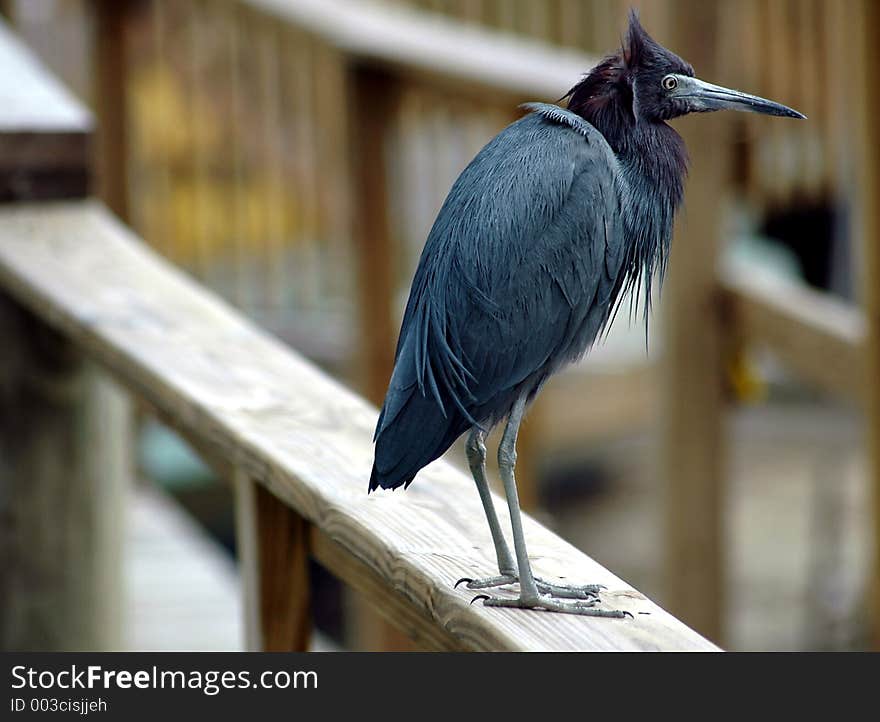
(299, 433)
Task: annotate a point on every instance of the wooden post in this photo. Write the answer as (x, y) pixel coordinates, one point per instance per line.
(272, 542)
(691, 460)
(868, 148)
(372, 104)
(65, 459)
(110, 68)
(64, 428)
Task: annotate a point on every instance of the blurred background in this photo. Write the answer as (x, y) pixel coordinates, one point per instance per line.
(239, 136)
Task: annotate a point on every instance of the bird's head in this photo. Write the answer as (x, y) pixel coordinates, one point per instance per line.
(645, 81)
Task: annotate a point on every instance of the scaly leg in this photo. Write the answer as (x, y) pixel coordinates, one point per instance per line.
(529, 596)
(476, 456)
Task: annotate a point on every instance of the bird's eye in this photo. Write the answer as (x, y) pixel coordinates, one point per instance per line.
(669, 82)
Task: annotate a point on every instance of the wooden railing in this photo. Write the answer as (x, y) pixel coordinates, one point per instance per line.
(77, 284)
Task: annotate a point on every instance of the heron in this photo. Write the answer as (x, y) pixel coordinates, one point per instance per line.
(558, 218)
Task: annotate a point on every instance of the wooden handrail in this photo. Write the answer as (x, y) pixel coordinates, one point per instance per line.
(250, 402)
(819, 337)
(406, 42)
(44, 131)
(31, 99)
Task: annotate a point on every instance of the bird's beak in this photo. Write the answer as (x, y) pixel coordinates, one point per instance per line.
(704, 97)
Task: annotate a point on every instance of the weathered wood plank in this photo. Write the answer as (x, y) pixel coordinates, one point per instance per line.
(298, 432)
(442, 51)
(44, 130)
(395, 611)
(817, 336)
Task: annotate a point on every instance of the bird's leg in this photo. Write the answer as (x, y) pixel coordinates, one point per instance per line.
(529, 596)
(476, 456)
(506, 465)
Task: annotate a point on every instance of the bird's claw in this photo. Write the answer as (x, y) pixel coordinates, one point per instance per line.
(565, 591)
(562, 591)
(548, 604)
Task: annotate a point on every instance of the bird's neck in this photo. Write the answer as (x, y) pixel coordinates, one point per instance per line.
(654, 160)
(650, 151)
(654, 163)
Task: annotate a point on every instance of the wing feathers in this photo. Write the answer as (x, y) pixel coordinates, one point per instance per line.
(507, 286)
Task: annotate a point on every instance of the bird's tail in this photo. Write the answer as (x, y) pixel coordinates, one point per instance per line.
(411, 433)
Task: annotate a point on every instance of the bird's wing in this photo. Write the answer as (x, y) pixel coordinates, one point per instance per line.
(519, 270)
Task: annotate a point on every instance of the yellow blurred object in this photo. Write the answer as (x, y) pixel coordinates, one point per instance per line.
(745, 382)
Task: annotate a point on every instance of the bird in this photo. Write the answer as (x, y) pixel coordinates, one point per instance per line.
(558, 218)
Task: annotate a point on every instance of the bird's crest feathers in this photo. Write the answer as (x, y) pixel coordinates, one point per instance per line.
(639, 50)
(608, 88)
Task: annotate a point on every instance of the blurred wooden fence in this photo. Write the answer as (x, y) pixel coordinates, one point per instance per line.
(794, 49)
(278, 149)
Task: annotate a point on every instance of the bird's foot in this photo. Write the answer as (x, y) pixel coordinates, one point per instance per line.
(544, 603)
(560, 591)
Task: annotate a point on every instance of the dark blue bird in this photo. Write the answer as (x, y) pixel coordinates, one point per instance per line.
(554, 221)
